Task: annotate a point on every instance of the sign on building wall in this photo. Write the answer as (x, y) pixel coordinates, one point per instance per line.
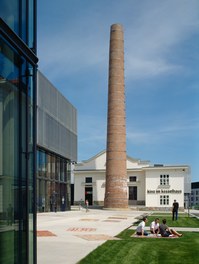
(163, 191)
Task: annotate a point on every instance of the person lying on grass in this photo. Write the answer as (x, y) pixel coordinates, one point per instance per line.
(154, 226)
(140, 229)
(165, 231)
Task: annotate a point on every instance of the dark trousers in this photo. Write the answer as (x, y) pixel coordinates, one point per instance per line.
(175, 215)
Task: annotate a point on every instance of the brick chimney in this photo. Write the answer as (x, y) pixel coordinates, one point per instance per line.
(116, 171)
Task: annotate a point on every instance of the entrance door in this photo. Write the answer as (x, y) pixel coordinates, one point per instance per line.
(89, 195)
(132, 195)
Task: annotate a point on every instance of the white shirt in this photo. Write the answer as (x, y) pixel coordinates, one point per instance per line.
(140, 227)
(154, 226)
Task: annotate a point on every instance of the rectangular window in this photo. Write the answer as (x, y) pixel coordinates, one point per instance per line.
(41, 163)
(88, 180)
(53, 167)
(132, 178)
(57, 173)
(49, 165)
(164, 179)
(164, 199)
(62, 170)
(66, 171)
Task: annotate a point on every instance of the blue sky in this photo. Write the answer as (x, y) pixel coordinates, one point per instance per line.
(161, 39)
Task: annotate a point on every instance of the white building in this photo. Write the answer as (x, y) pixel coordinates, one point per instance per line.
(153, 186)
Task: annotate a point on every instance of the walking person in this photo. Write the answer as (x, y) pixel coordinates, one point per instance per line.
(80, 204)
(175, 210)
(87, 203)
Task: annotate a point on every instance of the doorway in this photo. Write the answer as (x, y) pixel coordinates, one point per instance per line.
(132, 195)
(89, 195)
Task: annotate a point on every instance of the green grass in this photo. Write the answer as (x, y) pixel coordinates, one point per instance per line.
(129, 250)
(183, 220)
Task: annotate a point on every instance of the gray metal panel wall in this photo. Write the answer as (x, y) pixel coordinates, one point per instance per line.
(56, 120)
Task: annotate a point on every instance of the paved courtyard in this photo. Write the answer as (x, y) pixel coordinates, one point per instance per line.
(67, 237)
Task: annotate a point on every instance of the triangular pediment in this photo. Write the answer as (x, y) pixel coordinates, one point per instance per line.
(98, 162)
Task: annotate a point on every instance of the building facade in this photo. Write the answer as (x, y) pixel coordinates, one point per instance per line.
(56, 147)
(151, 186)
(195, 194)
(18, 63)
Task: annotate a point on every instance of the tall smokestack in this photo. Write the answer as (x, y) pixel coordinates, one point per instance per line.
(116, 175)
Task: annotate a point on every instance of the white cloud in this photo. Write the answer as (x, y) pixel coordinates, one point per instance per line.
(152, 32)
(141, 67)
(69, 56)
(158, 32)
(164, 131)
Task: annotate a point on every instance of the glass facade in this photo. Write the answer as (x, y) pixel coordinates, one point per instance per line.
(20, 16)
(17, 132)
(53, 182)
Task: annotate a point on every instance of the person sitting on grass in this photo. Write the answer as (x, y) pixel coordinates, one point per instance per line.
(165, 231)
(154, 227)
(140, 229)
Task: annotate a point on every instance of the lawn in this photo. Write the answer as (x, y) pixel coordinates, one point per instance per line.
(183, 220)
(129, 250)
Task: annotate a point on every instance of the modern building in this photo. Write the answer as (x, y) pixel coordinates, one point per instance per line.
(56, 147)
(18, 63)
(151, 186)
(195, 194)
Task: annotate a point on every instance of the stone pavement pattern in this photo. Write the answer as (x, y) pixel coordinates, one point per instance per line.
(67, 237)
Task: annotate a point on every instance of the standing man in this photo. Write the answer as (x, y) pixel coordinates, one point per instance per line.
(175, 210)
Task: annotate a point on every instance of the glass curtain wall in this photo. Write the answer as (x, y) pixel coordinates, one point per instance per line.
(17, 132)
(16, 152)
(53, 182)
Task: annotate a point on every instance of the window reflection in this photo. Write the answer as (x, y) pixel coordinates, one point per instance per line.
(53, 182)
(16, 168)
(9, 13)
(9, 149)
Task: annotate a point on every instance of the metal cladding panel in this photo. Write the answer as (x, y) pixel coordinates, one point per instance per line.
(56, 120)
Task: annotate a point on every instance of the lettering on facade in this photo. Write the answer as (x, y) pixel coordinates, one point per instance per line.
(164, 191)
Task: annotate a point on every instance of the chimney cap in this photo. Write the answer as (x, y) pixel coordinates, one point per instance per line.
(116, 27)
